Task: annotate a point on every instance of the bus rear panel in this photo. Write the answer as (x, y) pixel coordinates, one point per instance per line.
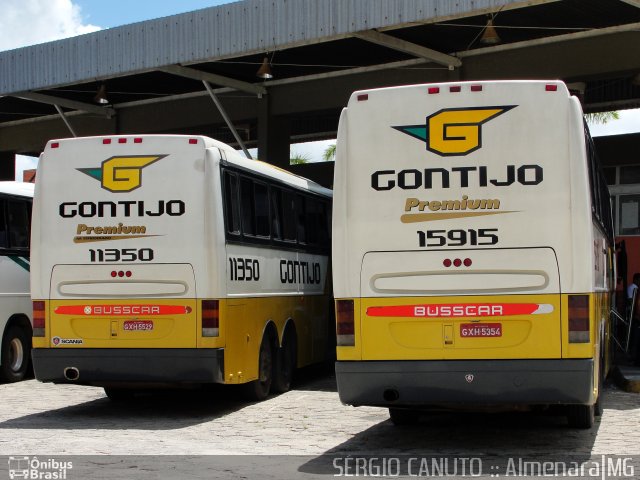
(469, 267)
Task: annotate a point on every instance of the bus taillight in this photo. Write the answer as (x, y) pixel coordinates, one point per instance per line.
(38, 319)
(578, 319)
(210, 318)
(345, 323)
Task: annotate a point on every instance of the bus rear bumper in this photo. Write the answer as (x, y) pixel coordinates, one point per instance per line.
(465, 382)
(113, 366)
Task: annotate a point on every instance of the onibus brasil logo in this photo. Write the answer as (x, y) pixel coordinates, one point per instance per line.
(454, 131)
(121, 173)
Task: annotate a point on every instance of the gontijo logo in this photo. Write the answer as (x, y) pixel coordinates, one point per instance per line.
(121, 173)
(454, 131)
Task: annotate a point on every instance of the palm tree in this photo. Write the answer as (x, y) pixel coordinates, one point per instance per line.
(329, 154)
(299, 159)
(601, 118)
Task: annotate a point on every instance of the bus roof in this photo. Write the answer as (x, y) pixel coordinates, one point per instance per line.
(277, 173)
(232, 157)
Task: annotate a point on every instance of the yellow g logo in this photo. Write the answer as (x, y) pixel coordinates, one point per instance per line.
(121, 174)
(454, 131)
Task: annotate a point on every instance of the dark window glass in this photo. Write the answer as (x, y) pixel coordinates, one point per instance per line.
(630, 174)
(300, 219)
(276, 213)
(288, 216)
(261, 198)
(18, 214)
(246, 199)
(610, 175)
(314, 221)
(231, 203)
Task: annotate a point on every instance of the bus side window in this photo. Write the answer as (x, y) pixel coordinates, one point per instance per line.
(18, 224)
(288, 216)
(4, 237)
(300, 219)
(232, 208)
(246, 200)
(276, 209)
(314, 221)
(261, 209)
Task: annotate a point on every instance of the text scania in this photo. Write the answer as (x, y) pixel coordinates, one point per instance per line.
(294, 271)
(126, 208)
(412, 179)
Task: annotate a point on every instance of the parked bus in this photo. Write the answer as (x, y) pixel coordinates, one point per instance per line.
(472, 250)
(173, 260)
(15, 302)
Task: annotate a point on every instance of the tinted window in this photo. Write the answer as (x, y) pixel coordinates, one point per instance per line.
(288, 216)
(246, 199)
(232, 207)
(261, 199)
(18, 216)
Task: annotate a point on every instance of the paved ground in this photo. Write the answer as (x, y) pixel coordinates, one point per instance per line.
(59, 420)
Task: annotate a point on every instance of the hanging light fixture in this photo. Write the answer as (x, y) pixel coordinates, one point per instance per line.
(265, 69)
(490, 36)
(101, 95)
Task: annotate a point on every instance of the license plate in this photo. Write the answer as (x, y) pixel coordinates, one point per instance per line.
(138, 325)
(470, 330)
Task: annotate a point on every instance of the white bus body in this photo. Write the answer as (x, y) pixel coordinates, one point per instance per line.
(471, 229)
(15, 302)
(149, 267)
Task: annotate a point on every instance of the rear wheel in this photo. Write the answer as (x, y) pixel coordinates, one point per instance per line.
(258, 389)
(16, 351)
(403, 416)
(285, 365)
(581, 416)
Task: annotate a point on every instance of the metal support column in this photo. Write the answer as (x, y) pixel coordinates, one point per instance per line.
(226, 118)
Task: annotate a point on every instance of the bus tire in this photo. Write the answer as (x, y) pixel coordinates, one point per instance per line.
(16, 352)
(259, 389)
(581, 416)
(119, 394)
(404, 416)
(285, 364)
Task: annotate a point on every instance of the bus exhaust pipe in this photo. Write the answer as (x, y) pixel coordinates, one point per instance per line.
(71, 373)
(391, 395)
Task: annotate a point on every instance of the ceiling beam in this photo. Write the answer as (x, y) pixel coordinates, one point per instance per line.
(634, 3)
(64, 102)
(389, 41)
(213, 78)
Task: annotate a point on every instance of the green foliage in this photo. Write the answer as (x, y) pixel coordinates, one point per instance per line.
(299, 159)
(329, 154)
(601, 118)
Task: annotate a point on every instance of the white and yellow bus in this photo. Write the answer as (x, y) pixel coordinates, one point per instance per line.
(173, 260)
(472, 250)
(15, 301)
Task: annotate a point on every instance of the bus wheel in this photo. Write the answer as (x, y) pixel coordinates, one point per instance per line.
(402, 416)
(16, 351)
(119, 394)
(581, 416)
(258, 389)
(285, 365)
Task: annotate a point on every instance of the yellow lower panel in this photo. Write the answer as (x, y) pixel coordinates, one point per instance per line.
(120, 323)
(245, 320)
(474, 327)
